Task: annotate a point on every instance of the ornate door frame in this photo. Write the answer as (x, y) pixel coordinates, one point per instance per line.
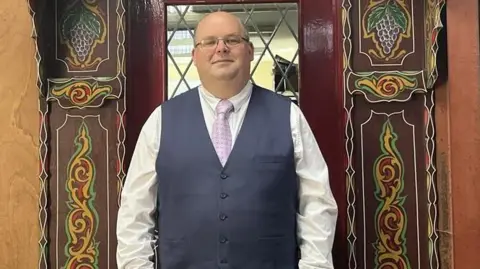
(83, 102)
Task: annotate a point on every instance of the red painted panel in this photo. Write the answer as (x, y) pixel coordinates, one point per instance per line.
(321, 98)
(146, 65)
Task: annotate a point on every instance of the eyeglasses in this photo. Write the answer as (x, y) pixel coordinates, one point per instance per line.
(229, 41)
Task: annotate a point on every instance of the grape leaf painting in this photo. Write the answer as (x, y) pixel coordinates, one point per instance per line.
(387, 23)
(81, 29)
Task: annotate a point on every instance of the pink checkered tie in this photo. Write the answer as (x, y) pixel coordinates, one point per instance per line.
(221, 135)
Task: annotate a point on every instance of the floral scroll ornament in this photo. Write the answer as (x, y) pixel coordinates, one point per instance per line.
(386, 86)
(82, 94)
(82, 28)
(387, 23)
(82, 219)
(390, 216)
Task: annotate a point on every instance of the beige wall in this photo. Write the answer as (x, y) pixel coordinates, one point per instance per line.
(19, 184)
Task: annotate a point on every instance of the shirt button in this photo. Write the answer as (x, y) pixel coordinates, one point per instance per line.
(223, 261)
(223, 176)
(223, 216)
(223, 240)
(223, 195)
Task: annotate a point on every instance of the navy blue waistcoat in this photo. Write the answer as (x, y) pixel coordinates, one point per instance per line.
(241, 216)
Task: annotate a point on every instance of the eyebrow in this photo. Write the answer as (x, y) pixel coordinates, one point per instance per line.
(212, 36)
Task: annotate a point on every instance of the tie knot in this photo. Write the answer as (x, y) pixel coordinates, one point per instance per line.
(224, 107)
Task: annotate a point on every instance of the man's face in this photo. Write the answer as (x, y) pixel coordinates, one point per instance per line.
(221, 50)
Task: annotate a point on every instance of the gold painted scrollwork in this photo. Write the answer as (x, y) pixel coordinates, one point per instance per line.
(81, 93)
(391, 218)
(386, 86)
(82, 219)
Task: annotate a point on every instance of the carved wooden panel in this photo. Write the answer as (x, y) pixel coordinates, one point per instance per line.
(83, 189)
(388, 34)
(86, 38)
(81, 56)
(389, 73)
(390, 166)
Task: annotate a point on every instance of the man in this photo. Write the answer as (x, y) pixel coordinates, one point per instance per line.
(229, 173)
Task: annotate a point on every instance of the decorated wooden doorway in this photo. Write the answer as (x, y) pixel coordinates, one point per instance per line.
(363, 72)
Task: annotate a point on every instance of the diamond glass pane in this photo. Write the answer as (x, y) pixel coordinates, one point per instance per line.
(273, 30)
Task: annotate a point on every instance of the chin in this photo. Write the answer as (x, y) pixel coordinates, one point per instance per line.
(224, 75)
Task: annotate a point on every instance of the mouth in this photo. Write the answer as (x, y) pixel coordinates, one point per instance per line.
(223, 61)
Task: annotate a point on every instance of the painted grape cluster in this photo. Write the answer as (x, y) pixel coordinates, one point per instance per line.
(388, 21)
(387, 32)
(81, 38)
(81, 27)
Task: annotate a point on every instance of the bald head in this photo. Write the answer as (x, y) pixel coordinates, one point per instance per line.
(217, 19)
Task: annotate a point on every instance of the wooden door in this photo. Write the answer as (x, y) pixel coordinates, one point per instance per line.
(297, 54)
(366, 92)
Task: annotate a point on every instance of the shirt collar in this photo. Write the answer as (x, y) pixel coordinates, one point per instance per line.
(237, 100)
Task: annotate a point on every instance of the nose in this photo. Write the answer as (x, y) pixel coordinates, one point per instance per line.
(222, 47)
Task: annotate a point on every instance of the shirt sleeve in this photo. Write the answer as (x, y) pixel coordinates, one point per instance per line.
(135, 222)
(318, 211)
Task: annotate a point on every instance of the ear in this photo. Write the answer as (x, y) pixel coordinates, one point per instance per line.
(194, 57)
(251, 50)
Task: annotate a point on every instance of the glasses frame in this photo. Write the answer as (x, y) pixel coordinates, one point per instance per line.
(201, 45)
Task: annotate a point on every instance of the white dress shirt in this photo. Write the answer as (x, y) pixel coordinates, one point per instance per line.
(317, 214)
